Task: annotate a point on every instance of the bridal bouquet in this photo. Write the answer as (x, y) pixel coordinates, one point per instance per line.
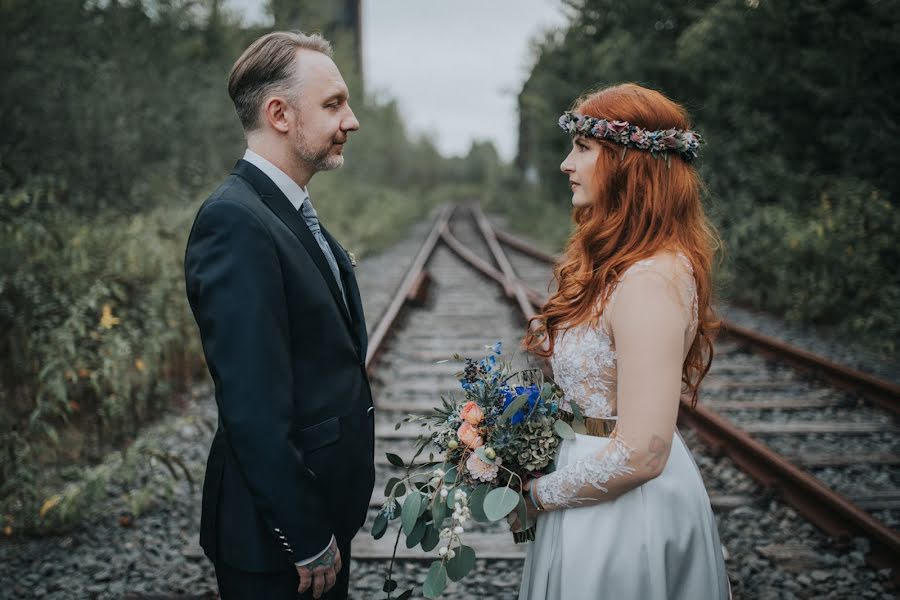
(502, 429)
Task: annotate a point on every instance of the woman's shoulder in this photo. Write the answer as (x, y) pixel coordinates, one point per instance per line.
(669, 263)
(654, 286)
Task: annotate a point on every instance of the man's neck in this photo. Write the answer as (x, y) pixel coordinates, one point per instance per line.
(282, 158)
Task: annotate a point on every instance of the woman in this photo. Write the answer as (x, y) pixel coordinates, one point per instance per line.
(625, 515)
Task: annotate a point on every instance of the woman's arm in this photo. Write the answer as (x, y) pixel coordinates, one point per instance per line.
(650, 315)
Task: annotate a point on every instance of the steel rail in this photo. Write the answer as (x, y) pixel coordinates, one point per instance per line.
(514, 286)
(414, 278)
(883, 393)
(830, 511)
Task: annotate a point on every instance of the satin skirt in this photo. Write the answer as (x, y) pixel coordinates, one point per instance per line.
(656, 542)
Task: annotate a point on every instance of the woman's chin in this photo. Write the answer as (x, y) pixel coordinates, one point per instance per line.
(578, 201)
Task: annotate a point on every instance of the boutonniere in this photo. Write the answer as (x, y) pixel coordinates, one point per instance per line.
(352, 258)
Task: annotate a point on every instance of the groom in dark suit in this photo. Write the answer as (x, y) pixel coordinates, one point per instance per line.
(290, 470)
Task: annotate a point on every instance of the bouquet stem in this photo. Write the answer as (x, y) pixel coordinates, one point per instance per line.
(525, 536)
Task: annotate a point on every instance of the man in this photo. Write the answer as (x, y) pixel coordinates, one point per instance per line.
(291, 468)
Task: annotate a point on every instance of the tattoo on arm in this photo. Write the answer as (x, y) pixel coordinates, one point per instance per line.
(657, 450)
(326, 560)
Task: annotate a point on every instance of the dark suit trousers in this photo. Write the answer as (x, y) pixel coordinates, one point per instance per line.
(235, 584)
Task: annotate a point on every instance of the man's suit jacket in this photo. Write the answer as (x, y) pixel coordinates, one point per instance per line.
(292, 459)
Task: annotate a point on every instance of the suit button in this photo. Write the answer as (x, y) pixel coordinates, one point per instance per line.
(370, 411)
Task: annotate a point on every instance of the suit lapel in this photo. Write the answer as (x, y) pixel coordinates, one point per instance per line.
(275, 199)
(351, 288)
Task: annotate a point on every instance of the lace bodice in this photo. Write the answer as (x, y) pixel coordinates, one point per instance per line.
(584, 357)
(653, 313)
(584, 366)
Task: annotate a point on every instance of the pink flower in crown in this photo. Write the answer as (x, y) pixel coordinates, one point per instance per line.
(670, 139)
(641, 138)
(599, 128)
(468, 435)
(471, 413)
(481, 470)
(617, 127)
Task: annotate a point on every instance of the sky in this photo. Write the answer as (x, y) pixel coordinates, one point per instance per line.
(454, 66)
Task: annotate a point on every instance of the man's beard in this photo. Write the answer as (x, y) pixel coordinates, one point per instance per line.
(320, 159)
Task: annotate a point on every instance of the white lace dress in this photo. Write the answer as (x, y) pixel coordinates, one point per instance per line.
(628, 516)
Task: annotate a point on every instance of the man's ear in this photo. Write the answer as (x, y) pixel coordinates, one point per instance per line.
(274, 112)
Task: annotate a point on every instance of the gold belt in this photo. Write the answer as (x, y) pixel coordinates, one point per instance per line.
(596, 426)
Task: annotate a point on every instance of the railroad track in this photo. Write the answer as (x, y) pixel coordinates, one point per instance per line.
(836, 461)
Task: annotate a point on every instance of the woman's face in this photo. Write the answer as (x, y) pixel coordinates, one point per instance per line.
(581, 167)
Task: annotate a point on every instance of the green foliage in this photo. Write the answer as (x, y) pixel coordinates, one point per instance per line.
(803, 149)
(102, 95)
(94, 327)
(117, 124)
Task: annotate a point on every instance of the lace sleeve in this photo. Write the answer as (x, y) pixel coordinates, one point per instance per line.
(652, 318)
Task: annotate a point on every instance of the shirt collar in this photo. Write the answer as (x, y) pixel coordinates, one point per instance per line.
(296, 194)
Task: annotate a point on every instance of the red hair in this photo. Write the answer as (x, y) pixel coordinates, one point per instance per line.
(644, 205)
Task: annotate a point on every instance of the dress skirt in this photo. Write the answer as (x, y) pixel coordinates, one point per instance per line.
(658, 541)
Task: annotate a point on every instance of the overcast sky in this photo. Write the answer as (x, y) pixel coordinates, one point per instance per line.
(455, 67)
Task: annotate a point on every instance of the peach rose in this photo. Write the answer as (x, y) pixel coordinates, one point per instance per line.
(468, 435)
(471, 413)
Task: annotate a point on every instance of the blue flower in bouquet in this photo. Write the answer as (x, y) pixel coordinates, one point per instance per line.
(534, 395)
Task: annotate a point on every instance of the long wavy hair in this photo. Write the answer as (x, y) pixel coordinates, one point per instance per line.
(644, 205)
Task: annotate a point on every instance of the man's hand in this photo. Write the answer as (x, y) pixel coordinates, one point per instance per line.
(320, 573)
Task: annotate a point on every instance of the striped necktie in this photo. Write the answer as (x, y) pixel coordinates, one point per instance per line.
(312, 221)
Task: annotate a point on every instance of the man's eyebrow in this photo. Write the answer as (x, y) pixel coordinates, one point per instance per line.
(338, 95)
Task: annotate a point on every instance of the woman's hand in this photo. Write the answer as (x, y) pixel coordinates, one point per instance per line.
(530, 510)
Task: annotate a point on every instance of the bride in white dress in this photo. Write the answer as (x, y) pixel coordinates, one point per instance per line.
(625, 514)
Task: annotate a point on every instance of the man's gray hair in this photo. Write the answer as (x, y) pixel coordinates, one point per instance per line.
(267, 66)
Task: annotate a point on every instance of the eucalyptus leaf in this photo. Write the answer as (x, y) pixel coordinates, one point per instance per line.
(435, 581)
(394, 460)
(451, 475)
(460, 565)
(564, 430)
(389, 488)
(379, 526)
(500, 502)
(405, 595)
(439, 511)
(576, 412)
(389, 585)
(415, 536)
(476, 503)
(451, 497)
(410, 513)
(431, 538)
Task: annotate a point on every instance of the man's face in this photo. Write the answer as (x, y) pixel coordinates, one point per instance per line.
(321, 118)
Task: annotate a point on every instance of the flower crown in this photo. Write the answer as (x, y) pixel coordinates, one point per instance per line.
(684, 142)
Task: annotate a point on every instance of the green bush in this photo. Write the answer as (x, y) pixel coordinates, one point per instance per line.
(802, 148)
(835, 265)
